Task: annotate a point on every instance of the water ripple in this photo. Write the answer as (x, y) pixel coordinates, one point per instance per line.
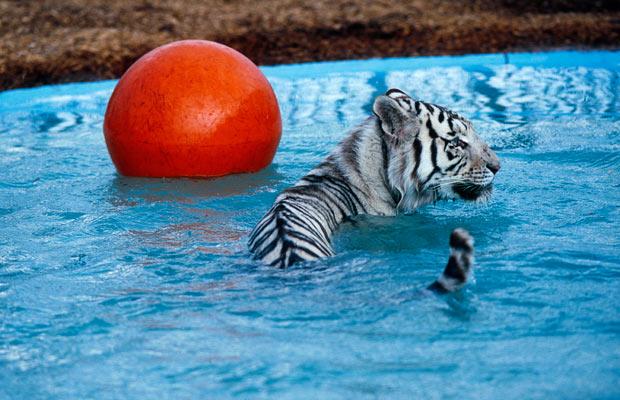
(139, 288)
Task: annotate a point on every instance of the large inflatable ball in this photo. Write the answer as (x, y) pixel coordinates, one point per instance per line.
(192, 108)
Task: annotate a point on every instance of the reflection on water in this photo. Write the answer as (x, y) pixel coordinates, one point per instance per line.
(140, 288)
(498, 93)
(183, 190)
(323, 100)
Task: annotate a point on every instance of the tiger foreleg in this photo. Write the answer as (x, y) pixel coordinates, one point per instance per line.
(459, 265)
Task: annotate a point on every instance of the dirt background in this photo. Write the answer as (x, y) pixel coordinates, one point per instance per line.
(50, 41)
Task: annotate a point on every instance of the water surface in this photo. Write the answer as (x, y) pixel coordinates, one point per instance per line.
(114, 287)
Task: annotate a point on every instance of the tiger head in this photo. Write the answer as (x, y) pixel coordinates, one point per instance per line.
(433, 153)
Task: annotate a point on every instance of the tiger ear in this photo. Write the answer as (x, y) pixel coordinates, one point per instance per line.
(394, 111)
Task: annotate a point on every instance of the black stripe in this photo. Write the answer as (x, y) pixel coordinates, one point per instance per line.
(395, 194)
(312, 200)
(263, 239)
(303, 223)
(343, 190)
(441, 116)
(393, 90)
(309, 195)
(279, 228)
(431, 131)
(309, 240)
(267, 249)
(342, 194)
(433, 161)
(460, 168)
(350, 151)
(263, 223)
(351, 187)
(330, 197)
(448, 154)
(433, 172)
(310, 217)
(304, 238)
(451, 167)
(292, 245)
(260, 235)
(384, 152)
(417, 152)
(349, 192)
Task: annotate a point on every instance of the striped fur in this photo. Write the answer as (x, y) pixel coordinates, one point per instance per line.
(408, 154)
(459, 265)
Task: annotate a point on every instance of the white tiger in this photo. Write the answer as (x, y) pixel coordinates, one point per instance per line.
(408, 154)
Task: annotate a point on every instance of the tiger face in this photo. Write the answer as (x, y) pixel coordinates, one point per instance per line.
(433, 153)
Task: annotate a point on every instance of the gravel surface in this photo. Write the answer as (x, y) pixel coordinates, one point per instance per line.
(51, 41)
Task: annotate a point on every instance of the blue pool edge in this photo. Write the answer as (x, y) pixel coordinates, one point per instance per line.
(17, 98)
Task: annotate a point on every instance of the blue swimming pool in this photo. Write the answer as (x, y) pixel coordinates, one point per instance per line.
(125, 288)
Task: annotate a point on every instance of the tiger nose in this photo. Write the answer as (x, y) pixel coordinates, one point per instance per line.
(492, 160)
(494, 167)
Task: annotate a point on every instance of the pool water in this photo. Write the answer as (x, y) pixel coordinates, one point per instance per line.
(125, 288)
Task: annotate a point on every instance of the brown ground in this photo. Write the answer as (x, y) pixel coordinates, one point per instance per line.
(48, 41)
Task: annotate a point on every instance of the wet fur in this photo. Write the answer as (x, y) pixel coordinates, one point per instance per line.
(408, 154)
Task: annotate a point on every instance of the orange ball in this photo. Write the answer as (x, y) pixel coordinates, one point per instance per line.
(192, 108)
